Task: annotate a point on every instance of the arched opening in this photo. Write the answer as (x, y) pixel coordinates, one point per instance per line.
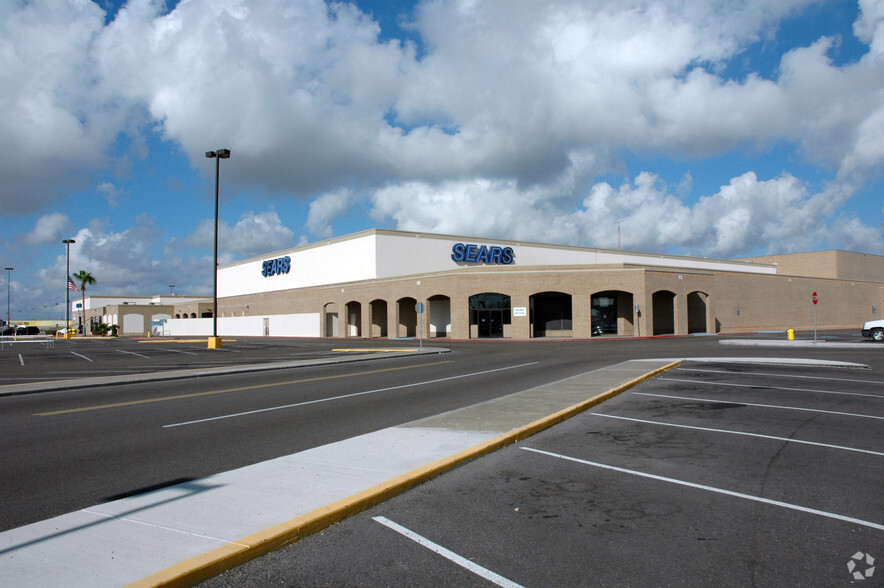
(193, 315)
(406, 321)
(490, 315)
(330, 313)
(440, 316)
(378, 310)
(613, 313)
(664, 312)
(697, 312)
(354, 319)
(551, 315)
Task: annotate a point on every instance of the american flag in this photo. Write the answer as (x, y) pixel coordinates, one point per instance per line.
(72, 285)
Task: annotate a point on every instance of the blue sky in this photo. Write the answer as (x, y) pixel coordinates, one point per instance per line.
(726, 131)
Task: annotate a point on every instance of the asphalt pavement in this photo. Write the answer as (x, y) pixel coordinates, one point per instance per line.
(186, 533)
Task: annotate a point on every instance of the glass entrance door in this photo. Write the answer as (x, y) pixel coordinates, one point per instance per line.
(604, 315)
(490, 323)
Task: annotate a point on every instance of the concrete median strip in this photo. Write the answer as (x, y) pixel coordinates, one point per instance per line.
(559, 395)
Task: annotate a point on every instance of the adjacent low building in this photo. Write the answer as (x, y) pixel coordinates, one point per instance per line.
(137, 315)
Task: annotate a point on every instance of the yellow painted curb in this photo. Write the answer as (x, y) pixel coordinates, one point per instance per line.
(377, 350)
(208, 565)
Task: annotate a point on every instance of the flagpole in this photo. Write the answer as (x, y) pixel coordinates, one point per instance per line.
(67, 290)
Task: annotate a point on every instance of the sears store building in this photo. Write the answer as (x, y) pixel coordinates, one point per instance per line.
(393, 284)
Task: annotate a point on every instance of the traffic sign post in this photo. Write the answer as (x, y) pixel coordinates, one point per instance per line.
(419, 309)
(814, 298)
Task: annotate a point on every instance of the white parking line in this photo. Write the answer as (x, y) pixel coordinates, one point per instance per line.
(761, 499)
(853, 414)
(760, 436)
(447, 554)
(180, 351)
(82, 357)
(343, 396)
(21, 359)
(132, 353)
(796, 376)
(757, 386)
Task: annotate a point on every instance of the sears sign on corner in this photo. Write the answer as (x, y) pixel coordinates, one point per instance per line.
(274, 267)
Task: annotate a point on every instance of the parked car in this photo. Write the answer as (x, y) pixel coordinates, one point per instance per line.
(875, 330)
(21, 330)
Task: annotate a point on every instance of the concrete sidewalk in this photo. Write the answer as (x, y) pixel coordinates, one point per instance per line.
(180, 535)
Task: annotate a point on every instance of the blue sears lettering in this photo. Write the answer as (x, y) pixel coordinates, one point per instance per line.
(457, 251)
(273, 267)
(471, 253)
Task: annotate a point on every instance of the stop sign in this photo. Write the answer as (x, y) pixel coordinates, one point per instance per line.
(814, 298)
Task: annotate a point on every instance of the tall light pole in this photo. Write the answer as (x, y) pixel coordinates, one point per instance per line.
(8, 285)
(215, 340)
(67, 291)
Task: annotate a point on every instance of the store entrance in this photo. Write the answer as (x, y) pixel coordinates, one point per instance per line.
(490, 323)
(489, 315)
(604, 315)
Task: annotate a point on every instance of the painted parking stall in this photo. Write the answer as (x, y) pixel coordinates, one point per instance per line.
(755, 460)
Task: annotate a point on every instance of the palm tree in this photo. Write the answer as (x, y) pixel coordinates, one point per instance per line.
(85, 278)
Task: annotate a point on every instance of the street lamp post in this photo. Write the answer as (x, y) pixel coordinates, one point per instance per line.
(8, 285)
(215, 340)
(67, 291)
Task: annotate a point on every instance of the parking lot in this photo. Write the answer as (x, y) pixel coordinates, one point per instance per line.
(42, 359)
(714, 473)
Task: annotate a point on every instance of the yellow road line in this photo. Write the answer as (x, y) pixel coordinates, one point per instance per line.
(226, 390)
(182, 341)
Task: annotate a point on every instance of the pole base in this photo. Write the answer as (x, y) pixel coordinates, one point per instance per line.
(214, 342)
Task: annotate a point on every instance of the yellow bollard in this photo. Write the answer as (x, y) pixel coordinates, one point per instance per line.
(790, 334)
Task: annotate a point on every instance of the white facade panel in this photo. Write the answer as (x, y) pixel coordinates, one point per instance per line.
(403, 255)
(406, 254)
(329, 262)
(280, 325)
(388, 254)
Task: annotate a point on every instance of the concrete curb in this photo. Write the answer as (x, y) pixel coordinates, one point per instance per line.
(803, 343)
(212, 563)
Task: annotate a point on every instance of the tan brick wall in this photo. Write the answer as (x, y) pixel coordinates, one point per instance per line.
(721, 301)
(843, 265)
